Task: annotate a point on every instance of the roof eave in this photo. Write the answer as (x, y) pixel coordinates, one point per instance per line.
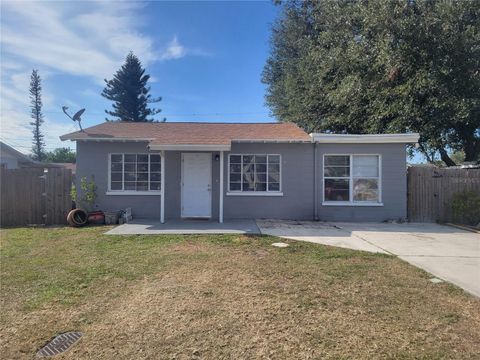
(107, 139)
(272, 141)
(411, 138)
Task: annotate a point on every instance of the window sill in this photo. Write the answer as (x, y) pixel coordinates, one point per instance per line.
(332, 203)
(255, 193)
(157, 193)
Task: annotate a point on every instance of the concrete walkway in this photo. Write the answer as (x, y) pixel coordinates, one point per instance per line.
(146, 227)
(448, 253)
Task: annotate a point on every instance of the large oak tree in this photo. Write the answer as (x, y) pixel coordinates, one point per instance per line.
(380, 66)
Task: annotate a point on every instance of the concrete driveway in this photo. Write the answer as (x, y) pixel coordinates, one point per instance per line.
(448, 253)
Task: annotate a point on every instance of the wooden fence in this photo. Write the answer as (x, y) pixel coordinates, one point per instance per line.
(35, 196)
(431, 191)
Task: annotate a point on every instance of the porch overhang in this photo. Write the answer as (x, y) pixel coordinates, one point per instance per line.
(190, 147)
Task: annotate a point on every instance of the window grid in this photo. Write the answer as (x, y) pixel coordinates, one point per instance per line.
(351, 178)
(254, 164)
(136, 163)
(344, 178)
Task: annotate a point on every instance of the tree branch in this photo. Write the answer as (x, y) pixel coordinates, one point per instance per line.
(425, 152)
(445, 158)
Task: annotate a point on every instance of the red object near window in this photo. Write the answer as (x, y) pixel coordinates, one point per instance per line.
(96, 217)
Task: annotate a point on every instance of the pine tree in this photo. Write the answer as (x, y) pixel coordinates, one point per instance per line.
(129, 92)
(38, 148)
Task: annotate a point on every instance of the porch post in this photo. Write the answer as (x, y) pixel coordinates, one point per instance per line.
(162, 188)
(220, 210)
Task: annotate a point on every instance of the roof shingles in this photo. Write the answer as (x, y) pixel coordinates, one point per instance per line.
(183, 133)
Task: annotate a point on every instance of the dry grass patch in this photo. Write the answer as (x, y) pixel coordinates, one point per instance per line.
(184, 297)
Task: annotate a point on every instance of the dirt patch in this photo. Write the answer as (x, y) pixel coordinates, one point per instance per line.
(189, 247)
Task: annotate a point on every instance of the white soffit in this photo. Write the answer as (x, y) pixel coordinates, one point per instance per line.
(411, 138)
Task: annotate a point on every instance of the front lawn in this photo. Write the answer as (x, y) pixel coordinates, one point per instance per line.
(223, 296)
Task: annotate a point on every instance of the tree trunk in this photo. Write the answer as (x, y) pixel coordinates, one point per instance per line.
(471, 151)
(425, 153)
(445, 158)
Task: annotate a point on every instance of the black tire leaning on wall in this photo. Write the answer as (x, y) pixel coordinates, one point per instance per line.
(77, 218)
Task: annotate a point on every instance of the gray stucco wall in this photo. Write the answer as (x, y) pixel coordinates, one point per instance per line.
(297, 182)
(92, 159)
(297, 174)
(394, 183)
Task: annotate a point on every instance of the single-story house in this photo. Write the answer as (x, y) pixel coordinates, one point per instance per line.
(11, 158)
(243, 170)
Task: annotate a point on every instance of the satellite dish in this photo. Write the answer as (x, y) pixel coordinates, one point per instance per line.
(76, 117)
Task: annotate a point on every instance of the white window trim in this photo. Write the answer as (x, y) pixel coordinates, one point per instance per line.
(131, 192)
(254, 193)
(351, 202)
(278, 192)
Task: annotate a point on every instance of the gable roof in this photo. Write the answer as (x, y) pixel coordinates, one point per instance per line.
(190, 133)
(14, 152)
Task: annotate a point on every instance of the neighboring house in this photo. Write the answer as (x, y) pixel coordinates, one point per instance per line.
(14, 159)
(243, 170)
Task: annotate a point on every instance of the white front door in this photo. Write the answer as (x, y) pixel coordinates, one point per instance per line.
(196, 185)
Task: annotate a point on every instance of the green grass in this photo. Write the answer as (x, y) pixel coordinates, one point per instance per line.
(62, 264)
(223, 296)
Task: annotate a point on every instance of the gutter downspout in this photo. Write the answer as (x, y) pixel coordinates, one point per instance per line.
(315, 182)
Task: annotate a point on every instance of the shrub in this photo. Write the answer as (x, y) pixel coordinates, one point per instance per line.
(89, 193)
(466, 207)
(73, 192)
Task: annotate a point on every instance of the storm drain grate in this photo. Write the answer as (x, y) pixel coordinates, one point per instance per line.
(59, 344)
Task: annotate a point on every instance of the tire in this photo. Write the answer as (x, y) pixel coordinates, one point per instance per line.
(77, 218)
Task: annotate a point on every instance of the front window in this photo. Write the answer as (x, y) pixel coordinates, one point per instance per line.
(135, 172)
(250, 173)
(351, 178)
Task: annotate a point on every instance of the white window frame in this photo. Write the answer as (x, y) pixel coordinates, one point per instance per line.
(278, 192)
(351, 202)
(131, 192)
